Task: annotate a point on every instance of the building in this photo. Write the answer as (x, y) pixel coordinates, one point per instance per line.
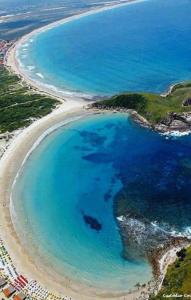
(4, 47)
(9, 291)
(19, 296)
(2, 282)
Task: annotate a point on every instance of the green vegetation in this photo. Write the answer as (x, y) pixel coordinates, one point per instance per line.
(152, 106)
(178, 277)
(18, 105)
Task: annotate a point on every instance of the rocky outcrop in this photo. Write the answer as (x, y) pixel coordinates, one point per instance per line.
(175, 122)
(144, 239)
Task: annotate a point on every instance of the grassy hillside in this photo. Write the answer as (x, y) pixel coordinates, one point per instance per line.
(18, 105)
(152, 106)
(178, 277)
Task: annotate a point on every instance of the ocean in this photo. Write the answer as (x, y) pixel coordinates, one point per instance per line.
(19, 17)
(65, 195)
(70, 185)
(143, 46)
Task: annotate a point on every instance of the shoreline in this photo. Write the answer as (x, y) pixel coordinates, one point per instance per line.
(25, 263)
(160, 128)
(12, 63)
(11, 163)
(13, 159)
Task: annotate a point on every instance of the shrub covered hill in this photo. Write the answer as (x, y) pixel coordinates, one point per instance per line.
(178, 278)
(19, 105)
(162, 112)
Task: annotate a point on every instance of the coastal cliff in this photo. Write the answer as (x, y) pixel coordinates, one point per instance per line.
(141, 238)
(145, 240)
(163, 113)
(175, 122)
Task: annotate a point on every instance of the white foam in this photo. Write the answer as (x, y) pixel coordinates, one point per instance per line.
(26, 40)
(40, 75)
(66, 92)
(187, 231)
(30, 68)
(176, 133)
(121, 218)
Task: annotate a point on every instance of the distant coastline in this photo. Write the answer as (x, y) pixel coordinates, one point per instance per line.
(12, 63)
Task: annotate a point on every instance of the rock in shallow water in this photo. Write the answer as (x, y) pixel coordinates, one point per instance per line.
(92, 222)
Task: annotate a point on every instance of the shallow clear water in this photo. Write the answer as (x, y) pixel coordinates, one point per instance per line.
(77, 171)
(144, 46)
(68, 185)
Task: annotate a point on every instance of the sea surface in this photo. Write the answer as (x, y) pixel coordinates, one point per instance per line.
(143, 46)
(65, 195)
(19, 17)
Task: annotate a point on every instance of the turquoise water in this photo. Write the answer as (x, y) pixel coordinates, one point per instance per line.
(77, 171)
(70, 183)
(58, 185)
(144, 46)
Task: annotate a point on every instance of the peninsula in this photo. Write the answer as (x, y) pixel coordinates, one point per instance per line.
(170, 112)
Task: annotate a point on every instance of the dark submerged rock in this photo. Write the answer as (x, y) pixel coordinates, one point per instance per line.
(92, 222)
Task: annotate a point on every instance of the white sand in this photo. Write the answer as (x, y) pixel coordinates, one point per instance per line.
(30, 266)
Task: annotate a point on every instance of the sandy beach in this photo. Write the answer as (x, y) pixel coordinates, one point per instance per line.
(12, 160)
(10, 165)
(71, 108)
(31, 266)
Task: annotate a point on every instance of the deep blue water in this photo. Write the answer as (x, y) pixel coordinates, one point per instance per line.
(143, 46)
(77, 171)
